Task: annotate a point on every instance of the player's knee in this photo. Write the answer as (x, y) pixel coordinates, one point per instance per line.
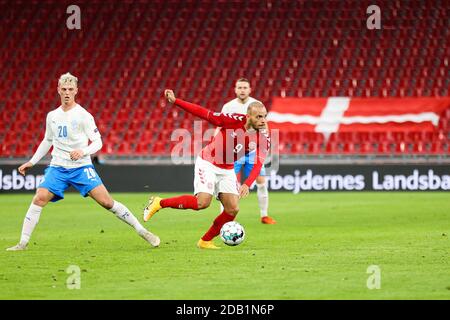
(106, 202)
(40, 199)
(233, 210)
(203, 204)
(260, 180)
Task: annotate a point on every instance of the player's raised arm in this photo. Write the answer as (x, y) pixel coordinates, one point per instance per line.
(215, 118)
(195, 109)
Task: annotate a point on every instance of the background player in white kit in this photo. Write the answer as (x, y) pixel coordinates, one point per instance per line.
(68, 129)
(240, 105)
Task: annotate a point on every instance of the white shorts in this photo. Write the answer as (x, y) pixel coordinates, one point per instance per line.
(214, 180)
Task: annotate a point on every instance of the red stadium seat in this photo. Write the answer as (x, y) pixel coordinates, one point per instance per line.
(124, 148)
(437, 148)
(419, 147)
(384, 147)
(366, 148)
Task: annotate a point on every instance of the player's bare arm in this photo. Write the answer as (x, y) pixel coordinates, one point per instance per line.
(23, 168)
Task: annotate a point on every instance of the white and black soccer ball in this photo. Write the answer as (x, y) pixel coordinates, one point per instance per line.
(232, 233)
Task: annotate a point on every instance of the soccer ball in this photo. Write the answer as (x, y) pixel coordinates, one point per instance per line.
(232, 233)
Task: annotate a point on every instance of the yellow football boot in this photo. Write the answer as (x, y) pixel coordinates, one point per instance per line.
(152, 207)
(202, 244)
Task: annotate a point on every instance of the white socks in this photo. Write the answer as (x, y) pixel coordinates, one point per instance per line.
(125, 215)
(263, 198)
(30, 221)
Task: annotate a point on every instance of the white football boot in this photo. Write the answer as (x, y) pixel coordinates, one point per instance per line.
(18, 247)
(150, 238)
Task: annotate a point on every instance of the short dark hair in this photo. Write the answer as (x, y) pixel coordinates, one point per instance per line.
(243, 80)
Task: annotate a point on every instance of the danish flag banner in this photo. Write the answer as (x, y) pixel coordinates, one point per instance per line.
(334, 114)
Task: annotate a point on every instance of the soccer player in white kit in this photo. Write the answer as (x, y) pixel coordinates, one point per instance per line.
(68, 130)
(240, 105)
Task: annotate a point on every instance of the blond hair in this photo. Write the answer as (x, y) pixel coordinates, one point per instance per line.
(68, 78)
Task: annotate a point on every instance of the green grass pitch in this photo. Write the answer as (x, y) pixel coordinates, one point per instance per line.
(321, 248)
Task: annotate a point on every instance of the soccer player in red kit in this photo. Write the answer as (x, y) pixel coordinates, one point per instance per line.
(214, 167)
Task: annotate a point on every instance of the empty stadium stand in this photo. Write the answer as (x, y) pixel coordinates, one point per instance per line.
(128, 52)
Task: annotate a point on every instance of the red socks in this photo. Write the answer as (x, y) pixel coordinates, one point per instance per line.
(214, 230)
(181, 202)
(190, 202)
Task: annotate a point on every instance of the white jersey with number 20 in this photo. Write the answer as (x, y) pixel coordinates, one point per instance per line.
(69, 131)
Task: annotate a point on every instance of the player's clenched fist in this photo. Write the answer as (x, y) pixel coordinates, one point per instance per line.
(23, 168)
(170, 96)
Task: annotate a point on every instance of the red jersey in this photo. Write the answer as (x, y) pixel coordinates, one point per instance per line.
(233, 140)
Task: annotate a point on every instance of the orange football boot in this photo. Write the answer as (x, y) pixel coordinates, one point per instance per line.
(268, 220)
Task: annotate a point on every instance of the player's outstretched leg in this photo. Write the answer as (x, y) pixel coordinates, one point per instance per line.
(124, 214)
(42, 197)
(101, 195)
(180, 202)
